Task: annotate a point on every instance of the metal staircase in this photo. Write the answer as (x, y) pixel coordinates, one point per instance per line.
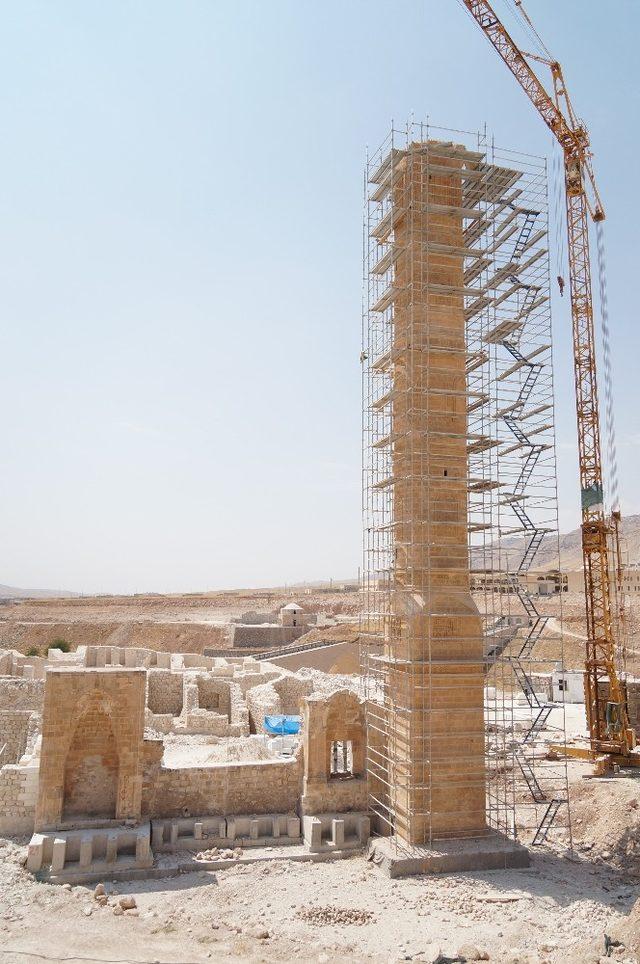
(538, 723)
(515, 418)
(525, 683)
(533, 636)
(546, 822)
(525, 234)
(529, 775)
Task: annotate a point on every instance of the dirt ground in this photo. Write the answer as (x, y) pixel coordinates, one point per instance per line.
(571, 905)
(575, 904)
(189, 623)
(559, 910)
(178, 623)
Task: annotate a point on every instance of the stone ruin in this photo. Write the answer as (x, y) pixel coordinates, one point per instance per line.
(83, 768)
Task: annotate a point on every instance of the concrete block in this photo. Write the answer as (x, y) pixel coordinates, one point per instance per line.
(364, 829)
(112, 848)
(337, 833)
(293, 826)
(197, 830)
(143, 850)
(157, 834)
(254, 829)
(35, 853)
(59, 854)
(493, 852)
(312, 833)
(86, 850)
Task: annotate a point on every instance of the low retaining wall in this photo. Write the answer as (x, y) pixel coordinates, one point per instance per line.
(18, 794)
(264, 637)
(176, 637)
(262, 786)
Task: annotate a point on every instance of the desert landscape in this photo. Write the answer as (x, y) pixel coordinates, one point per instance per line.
(259, 335)
(577, 900)
(175, 623)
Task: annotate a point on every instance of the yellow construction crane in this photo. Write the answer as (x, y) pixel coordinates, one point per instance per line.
(607, 717)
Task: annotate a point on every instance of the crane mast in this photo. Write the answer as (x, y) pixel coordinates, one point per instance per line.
(607, 717)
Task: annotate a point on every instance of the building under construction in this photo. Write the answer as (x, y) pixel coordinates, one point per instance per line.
(459, 491)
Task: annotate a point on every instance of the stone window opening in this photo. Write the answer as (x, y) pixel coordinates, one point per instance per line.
(341, 759)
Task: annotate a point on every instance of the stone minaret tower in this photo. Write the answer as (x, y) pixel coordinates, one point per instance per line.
(435, 644)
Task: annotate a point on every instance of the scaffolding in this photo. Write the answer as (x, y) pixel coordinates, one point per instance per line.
(459, 494)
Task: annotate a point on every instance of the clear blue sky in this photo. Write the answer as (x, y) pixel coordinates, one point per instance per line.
(181, 268)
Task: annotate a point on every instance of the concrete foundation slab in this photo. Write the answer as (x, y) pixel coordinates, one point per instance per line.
(60, 856)
(335, 831)
(175, 865)
(200, 833)
(493, 852)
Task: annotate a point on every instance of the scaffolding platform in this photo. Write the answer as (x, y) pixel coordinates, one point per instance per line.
(459, 497)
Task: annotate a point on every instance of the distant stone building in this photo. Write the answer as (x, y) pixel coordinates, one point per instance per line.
(292, 622)
(293, 615)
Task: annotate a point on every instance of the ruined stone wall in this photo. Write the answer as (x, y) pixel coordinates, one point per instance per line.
(340, 717)
(263, 786)
(248, 679)
(213, 695)
(165, 692)
(195, 719)
(633, 704)
(14, 732)
(292, 692)
(163, 636)
(263, 700)
(238, 710)
(91, 768)
(91, 762)
(131, 656)
(13, 663)
(18, 794)
(263, 637)
(21, 694)
(253, 618)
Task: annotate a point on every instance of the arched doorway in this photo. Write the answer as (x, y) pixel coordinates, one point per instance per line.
(91, 768)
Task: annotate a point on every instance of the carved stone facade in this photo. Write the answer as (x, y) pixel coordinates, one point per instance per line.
(91, 757)
(335, 779)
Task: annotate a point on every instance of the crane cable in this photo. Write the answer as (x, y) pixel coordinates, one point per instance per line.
(557, 187)
(613, 497)
(612, 455)
(523, 17)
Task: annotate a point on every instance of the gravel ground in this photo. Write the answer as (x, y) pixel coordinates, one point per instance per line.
(557, 911)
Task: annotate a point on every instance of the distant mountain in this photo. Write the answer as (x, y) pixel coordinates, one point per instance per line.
(10, 592)
(323, 584)
(571, 548)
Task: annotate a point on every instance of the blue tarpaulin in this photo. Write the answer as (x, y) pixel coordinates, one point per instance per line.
(282, 725)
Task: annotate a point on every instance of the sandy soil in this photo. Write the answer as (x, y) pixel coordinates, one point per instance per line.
(189, 623)
(181, 624)
(558, 910)
(194, 751)
(564, 908)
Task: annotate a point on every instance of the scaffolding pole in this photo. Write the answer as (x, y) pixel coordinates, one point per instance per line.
(460, 513)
